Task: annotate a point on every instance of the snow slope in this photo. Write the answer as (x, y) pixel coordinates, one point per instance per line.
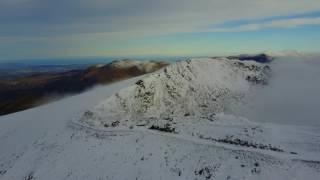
(99, 135)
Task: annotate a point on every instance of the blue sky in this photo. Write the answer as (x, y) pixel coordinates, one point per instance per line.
(127, 28)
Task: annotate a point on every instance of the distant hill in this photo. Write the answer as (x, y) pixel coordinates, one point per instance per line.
(21, 93)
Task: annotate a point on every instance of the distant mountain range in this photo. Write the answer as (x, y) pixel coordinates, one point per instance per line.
(15, 70)
(20, 90)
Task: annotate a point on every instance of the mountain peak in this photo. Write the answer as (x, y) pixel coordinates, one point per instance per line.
(199, 87)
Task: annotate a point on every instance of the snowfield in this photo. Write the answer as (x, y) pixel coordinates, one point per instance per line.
(180, 122)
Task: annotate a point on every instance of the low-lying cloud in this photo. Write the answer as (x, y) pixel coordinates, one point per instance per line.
(292, 97)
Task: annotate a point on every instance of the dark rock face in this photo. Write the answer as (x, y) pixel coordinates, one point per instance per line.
(240, 142)
(25, 92)
(166, 128)
(261, 58)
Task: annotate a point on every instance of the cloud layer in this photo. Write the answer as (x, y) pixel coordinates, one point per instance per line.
(292, 97)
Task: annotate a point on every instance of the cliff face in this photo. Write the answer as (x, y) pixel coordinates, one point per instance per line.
(26, 92)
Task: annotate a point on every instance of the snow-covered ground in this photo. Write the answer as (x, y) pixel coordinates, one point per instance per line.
(178, 123)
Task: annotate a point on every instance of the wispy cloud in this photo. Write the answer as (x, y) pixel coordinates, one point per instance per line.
(282, 23)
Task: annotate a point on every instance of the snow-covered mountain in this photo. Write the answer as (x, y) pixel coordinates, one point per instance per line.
(176, 123)
(197, 87)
